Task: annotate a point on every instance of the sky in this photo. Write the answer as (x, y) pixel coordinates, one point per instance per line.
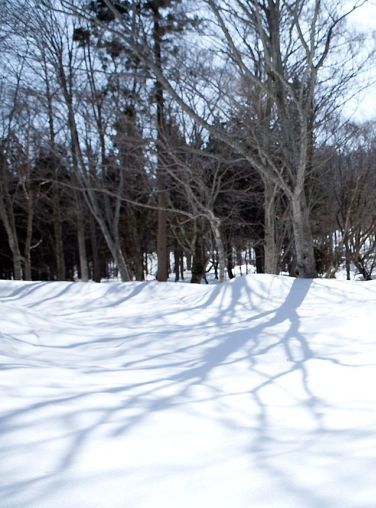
(365, 16)
(363, 107)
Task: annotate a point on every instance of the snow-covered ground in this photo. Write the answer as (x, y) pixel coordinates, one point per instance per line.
(260, 392)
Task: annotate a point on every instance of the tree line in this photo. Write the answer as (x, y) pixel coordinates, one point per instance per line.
(203, 133)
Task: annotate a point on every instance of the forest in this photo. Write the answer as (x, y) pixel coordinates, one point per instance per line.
(150, 138)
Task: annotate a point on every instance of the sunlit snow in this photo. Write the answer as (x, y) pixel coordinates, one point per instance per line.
(260, 392)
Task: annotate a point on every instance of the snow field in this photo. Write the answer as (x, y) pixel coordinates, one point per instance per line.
(256, 393)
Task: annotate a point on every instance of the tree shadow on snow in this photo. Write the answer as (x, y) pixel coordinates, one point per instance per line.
(136, 402)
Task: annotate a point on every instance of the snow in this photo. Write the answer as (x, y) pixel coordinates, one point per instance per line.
(256, 393)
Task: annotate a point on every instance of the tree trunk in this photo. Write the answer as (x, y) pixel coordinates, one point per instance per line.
(96, 275)
(215, 224)
(181, 264)
(136, 262)
(303, 242)
(177, 262)
(81, 242)
(7, 216)
(59, 249)
(111, 238)
(189, 262)
(28, 240)
(10, 229)
(270, 247)
(17, 259)
(260, 258)
(347, 260)
(139, 266)
(230, 262)
(162, 251)
(199, 259)
(121, 264)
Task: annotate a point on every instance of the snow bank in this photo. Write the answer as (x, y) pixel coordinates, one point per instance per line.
(255, 393)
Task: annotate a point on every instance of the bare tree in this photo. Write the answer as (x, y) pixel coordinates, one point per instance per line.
(296, 40)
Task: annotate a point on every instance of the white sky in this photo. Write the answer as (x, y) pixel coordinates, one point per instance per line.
(365, 16)
(364, 19)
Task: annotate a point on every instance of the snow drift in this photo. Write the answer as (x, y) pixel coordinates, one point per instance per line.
(256, 393)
